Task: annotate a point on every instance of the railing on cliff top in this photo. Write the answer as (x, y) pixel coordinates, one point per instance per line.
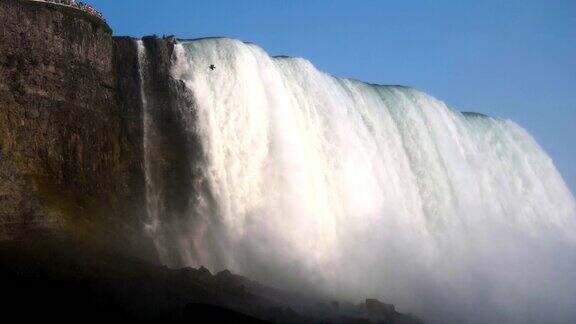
(77, 5)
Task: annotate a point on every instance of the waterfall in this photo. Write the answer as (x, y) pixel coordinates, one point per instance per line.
(349, 189)
(154, 205)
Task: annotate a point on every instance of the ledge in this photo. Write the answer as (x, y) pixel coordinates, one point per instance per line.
(95, 20)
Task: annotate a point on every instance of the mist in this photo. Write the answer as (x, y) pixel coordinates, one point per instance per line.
(344, 189)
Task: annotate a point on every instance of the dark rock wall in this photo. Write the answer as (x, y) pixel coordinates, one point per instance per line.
(70, 128)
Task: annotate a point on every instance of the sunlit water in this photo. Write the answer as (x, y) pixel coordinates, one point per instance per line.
(353, 190)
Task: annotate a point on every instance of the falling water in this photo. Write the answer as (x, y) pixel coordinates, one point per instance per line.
(353, 190)
(154, 206)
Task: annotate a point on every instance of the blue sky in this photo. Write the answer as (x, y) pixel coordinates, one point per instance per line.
(513, 59)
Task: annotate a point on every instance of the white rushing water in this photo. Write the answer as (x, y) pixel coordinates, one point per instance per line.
(356, 190)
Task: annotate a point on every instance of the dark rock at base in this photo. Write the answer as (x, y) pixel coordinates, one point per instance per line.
(203, 313)
(58, 278)
(374, 307)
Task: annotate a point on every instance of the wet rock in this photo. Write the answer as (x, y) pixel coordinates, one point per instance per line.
(375, 307)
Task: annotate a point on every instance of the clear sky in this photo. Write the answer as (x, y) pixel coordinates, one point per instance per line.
(513, 59)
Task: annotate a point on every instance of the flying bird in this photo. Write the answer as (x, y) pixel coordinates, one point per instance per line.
(212, 67)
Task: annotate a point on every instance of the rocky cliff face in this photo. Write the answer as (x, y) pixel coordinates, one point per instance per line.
(70, 127)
